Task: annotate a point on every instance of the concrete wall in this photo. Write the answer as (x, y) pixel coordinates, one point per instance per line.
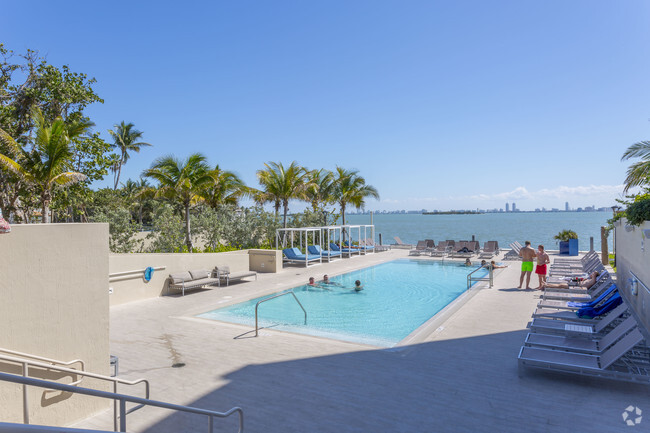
(54, 303)
(632, 247)
(134, 287)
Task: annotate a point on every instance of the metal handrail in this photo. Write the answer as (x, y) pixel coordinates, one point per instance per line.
(490, 277)
(123, 398)
(289, 292)
(26, 364)
(42, 358)
(126, 275)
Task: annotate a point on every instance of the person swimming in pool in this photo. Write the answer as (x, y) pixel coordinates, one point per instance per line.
(312, 282)
(468, 262)
(357, 286)
(328, 282)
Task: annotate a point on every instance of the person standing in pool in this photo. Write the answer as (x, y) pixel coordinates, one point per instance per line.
(328, 282)
(540, 270)
(312, 282)
(527, 254)
(357, 286)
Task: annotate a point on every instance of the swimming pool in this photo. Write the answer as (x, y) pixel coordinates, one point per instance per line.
(398, 297)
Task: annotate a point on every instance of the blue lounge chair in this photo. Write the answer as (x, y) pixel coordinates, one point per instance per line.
(596, 301)
(316, 250)
(591, 312)
(344, 251)
(293, 255)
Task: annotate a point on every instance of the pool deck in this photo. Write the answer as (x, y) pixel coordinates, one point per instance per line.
(460, 377)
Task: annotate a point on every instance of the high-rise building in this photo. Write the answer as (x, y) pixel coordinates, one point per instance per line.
(514, 207)
(566, 206)
(507, 207)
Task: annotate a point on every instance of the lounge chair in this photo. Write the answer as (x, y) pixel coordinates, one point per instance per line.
(513, 254)
(344, 251)
(459, 250)
(587, 302)
(578, 344)
(316, 250)
(490, 249)
(191, 280)
(399, 243)
(589, 365)
(293, 255)
(584, 314)
(441, 250)
(573, 328)
(578, 293)
(419, 248)
(378, 248)
(223, 272)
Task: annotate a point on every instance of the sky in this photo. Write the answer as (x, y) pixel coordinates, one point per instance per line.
(438, 104)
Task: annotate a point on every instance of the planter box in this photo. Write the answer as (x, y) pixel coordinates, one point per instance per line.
(569, 248)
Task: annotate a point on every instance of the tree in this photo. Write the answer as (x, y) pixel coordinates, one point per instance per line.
(638, 174)
(319, 191)
(352, 189)
(46, 165)
(227, 189)
(28, 82)
(181, 182)
(125, 140)
(280, 184)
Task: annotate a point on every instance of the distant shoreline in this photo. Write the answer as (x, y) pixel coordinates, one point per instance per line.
(454, 212)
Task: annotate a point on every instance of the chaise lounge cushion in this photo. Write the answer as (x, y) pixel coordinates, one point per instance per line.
(180, 277)
(199, 274)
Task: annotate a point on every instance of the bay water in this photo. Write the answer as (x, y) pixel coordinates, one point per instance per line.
(537, 227)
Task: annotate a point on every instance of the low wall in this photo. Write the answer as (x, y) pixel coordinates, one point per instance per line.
(632, 247)
(134, 287)
(54, 303)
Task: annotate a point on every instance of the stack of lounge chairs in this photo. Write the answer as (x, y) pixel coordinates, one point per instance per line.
(513, 254)
(586, 331)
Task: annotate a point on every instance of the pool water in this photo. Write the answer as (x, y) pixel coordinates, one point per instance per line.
(396, 299)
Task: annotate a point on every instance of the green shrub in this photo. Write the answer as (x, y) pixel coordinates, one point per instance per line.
(565, 235)
(638, 212)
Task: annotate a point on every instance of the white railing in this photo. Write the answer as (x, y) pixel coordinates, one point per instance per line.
(122, 399)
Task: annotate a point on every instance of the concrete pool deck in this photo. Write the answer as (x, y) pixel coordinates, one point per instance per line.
(461, 377)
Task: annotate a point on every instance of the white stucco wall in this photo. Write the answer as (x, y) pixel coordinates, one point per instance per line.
(54, 303)
(632, 247)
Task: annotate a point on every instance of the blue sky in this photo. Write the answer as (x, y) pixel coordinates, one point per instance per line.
(439, 104)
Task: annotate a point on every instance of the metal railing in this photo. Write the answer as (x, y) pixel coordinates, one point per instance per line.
(26, 364)
(123, 399)
(126, 275)
(471, 279)
(289, 292)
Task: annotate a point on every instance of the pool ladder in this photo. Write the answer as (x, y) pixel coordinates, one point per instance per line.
(288, 292)
(471, 279)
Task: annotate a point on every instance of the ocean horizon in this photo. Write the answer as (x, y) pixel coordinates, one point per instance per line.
(537, 227)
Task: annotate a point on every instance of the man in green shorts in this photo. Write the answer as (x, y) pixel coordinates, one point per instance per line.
(527, 254)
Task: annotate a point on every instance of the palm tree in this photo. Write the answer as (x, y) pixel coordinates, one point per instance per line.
(320, 190)
(228, 188)
(638, 173)
(47, 164)
(181, 182)
(280, 184)
(352, 189)
(125, 139)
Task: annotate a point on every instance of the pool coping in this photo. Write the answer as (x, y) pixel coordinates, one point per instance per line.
(423, 332)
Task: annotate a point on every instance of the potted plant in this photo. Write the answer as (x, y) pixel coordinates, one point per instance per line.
(568, 242)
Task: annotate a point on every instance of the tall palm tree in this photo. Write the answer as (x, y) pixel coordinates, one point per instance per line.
(280, 184)
(181, 182)
(320, 188)
(47, 165)
(228, 188)
(638, 173)
(125, 140)
(352, 189)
